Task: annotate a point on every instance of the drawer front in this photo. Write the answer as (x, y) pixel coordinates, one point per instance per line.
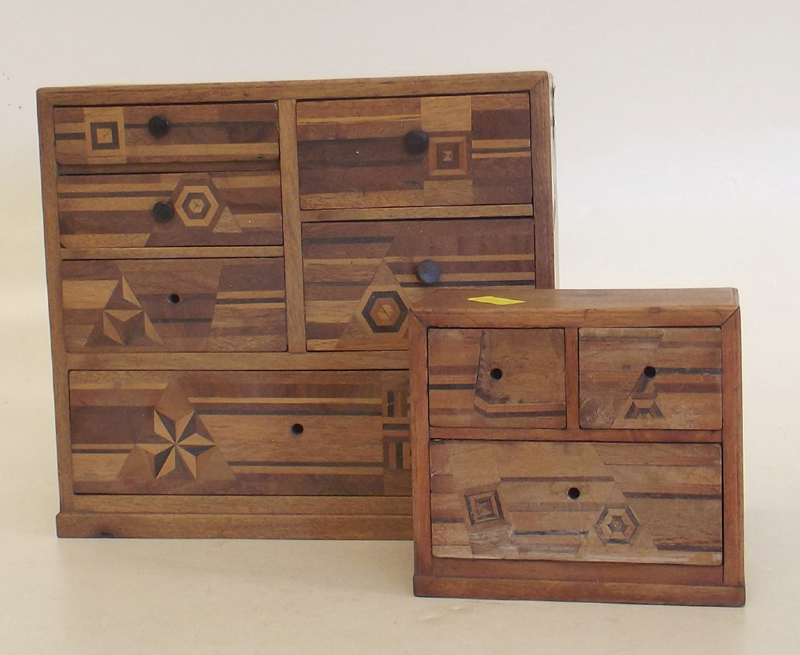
(188, 209)
(187, 305)
(639, 503)
(497, 378)
(166, 133)
(401, 152)
(656, 378)
(240, 433)
(361, 277)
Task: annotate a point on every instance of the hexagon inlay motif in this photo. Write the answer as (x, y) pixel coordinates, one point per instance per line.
(196, 206)
(616, 525)
(385, 312)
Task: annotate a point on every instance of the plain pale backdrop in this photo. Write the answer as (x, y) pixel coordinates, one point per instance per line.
(678, 164)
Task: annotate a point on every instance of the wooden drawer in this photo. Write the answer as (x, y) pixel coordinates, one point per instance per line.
(653, 378)
(166, 133)
(497, 378)
(174, 305)
(235, 432)
(640, 503)
(361, 277)
(157, 210)
(401, 152)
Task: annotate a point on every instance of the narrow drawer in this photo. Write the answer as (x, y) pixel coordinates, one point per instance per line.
(638, 503)
(161, 210)
(137, 134)
(361, 277)
(240, 433)
(401, 152)
(183, 305)
(651, 378)
(512, 378)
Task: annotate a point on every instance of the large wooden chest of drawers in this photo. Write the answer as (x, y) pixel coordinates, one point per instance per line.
(230, 272)
(578, 445)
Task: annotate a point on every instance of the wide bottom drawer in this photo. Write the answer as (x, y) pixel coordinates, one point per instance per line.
(240, 432)
(602, 502)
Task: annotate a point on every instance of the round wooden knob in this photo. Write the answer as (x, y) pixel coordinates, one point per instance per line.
(428, 271)
(163, 211)
(416, 142)
(158, 126)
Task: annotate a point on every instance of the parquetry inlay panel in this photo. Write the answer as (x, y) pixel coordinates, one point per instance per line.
(282, 432)
(352, 154)
(177, 305)
(658, 503)
(361, 277)
(201, 132)
(653, 378)
(210, 209)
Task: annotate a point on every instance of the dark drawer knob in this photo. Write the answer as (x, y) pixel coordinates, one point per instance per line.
(297, 429)
(163, 211)
(158, 126)
(416, 142)
(428, 271)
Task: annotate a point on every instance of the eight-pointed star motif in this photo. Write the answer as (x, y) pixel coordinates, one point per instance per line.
(176, 444)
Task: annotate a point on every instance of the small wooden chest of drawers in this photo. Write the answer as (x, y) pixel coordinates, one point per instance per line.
(230, 271)
(578, 445)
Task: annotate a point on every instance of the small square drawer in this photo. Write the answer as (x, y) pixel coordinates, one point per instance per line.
(651, 378)
(636, 503)
(294, 433)
(362, 277)
(179, 305)
(510, 378)
(177, 209)
(402, 152)
(139, 134)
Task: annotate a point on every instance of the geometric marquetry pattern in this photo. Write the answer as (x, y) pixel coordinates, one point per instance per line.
(651, 378)
(218, 432)
(616, 525)
(510, 378)
(365, 305)
(210, 209)
(178, 305)
(179, 446)
(203, 133)
(484, 507)
(577, 501)
(479, 151)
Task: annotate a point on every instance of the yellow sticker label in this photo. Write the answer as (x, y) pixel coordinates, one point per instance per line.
(496, 300)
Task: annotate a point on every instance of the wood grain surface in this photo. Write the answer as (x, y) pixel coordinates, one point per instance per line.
(497, 378)
(352, 153)
(581, 308)
(361, 277)
(657, 503)
(203, 432)
(659, 378)
(210, 209)
(174, 305)
(204, 132)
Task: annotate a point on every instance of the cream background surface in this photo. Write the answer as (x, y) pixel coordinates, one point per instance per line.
(678, 164)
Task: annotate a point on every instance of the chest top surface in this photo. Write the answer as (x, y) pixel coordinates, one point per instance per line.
(525, 307)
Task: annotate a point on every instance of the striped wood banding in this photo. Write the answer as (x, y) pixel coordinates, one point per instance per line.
(198, 133)
(233, 433)
(361, 277)
(210, 209)
(189, 305)
(352, 152)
